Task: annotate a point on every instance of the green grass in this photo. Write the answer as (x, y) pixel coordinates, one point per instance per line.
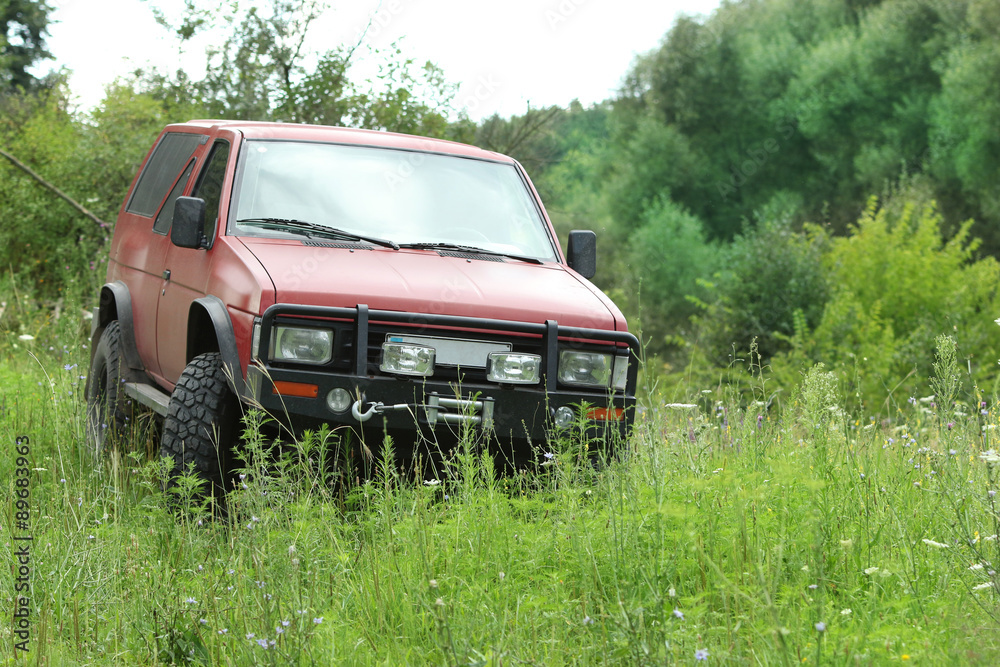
(726, 528)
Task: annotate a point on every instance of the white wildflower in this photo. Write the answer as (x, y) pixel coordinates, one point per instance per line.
(936, 545)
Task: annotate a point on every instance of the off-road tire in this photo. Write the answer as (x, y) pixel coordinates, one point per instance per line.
(201, 424)
(108, 408)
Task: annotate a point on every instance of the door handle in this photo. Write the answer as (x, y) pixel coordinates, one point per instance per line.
(166, 274)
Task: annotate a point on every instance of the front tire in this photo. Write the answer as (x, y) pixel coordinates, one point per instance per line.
(201, 424)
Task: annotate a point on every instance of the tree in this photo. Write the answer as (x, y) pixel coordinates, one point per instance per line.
(23, 24)
(264, 70)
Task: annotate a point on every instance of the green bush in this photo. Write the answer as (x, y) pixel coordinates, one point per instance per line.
(666, 258)
(896, 285)
(771, 273)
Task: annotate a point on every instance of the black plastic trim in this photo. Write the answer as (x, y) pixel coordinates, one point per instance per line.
(116, 303)
(226, 338)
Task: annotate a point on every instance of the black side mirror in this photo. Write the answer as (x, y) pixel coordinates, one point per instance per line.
(188, 223)
(581, 252)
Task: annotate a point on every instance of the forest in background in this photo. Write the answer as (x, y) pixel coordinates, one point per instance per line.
(813, 180)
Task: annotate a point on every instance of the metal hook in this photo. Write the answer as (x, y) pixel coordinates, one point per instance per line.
(364, 416)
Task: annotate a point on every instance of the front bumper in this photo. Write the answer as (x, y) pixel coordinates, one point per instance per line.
(430, 406)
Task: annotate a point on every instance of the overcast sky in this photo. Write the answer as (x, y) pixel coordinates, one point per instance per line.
(504, 54)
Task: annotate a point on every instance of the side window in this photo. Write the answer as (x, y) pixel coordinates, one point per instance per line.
(209, 185)
(166, 162)
(166, 216)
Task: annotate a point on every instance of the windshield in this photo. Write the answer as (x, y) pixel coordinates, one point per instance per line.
(401, 196)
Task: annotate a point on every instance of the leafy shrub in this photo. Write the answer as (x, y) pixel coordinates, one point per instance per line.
(896, 285)
(667, 255)
(770, 273)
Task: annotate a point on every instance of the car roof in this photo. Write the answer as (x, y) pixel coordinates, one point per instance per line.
(343, 135)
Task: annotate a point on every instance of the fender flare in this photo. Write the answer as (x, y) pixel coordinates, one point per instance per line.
(116, 304)
(211, 310)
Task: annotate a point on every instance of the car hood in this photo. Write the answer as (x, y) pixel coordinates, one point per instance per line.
(423, 281)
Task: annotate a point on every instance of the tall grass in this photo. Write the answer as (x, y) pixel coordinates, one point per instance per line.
(727, 533)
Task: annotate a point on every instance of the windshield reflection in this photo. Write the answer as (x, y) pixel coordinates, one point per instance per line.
(408, 197)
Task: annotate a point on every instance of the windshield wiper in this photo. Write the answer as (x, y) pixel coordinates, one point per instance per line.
(310, 228)
(469, 249)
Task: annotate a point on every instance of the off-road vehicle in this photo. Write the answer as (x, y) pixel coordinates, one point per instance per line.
(384, 283)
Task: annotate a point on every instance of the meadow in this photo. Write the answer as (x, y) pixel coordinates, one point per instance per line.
(728, 532)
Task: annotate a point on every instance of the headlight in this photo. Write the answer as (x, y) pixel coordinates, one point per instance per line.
(407, 359)
(592, 369)
(304, 346)
(514, 368)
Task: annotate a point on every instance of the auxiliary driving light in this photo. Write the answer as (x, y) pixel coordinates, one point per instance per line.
(407, 359)
(564, 417)
(512, 368)
(339, 400)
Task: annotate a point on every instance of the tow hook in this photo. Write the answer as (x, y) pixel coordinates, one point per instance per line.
(376, 408)
(364, 416)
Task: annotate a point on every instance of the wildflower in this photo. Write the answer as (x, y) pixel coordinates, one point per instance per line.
(202, 621)
(953, 452)
(990, 456)
(911, 400)
(191, 601)
(69, 367)
(846, 612)
(905, 656)
(991, 493)
(587, 620)
(936, 545)
(701, 654)
(249, 635)
(813, 587)
(871, 570)
(671, 592)
(976, 566)
(262, 643)
(501, 576)
(224, 631)
(319, 619)
(983, 587)
(26, 337)
(439, 602)
(279, 629)
(821, 627)
(433, 583)
(847, 544)
(431, 482)
(678, 614)
(951, 425)
(549, 455)
(286, 623)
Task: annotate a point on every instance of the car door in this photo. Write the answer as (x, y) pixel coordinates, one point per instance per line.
(141, 243)
(186, 271)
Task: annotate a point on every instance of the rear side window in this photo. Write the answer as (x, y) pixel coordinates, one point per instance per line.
(162, 170)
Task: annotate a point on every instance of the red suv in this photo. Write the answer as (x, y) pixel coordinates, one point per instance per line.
(382, 282)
